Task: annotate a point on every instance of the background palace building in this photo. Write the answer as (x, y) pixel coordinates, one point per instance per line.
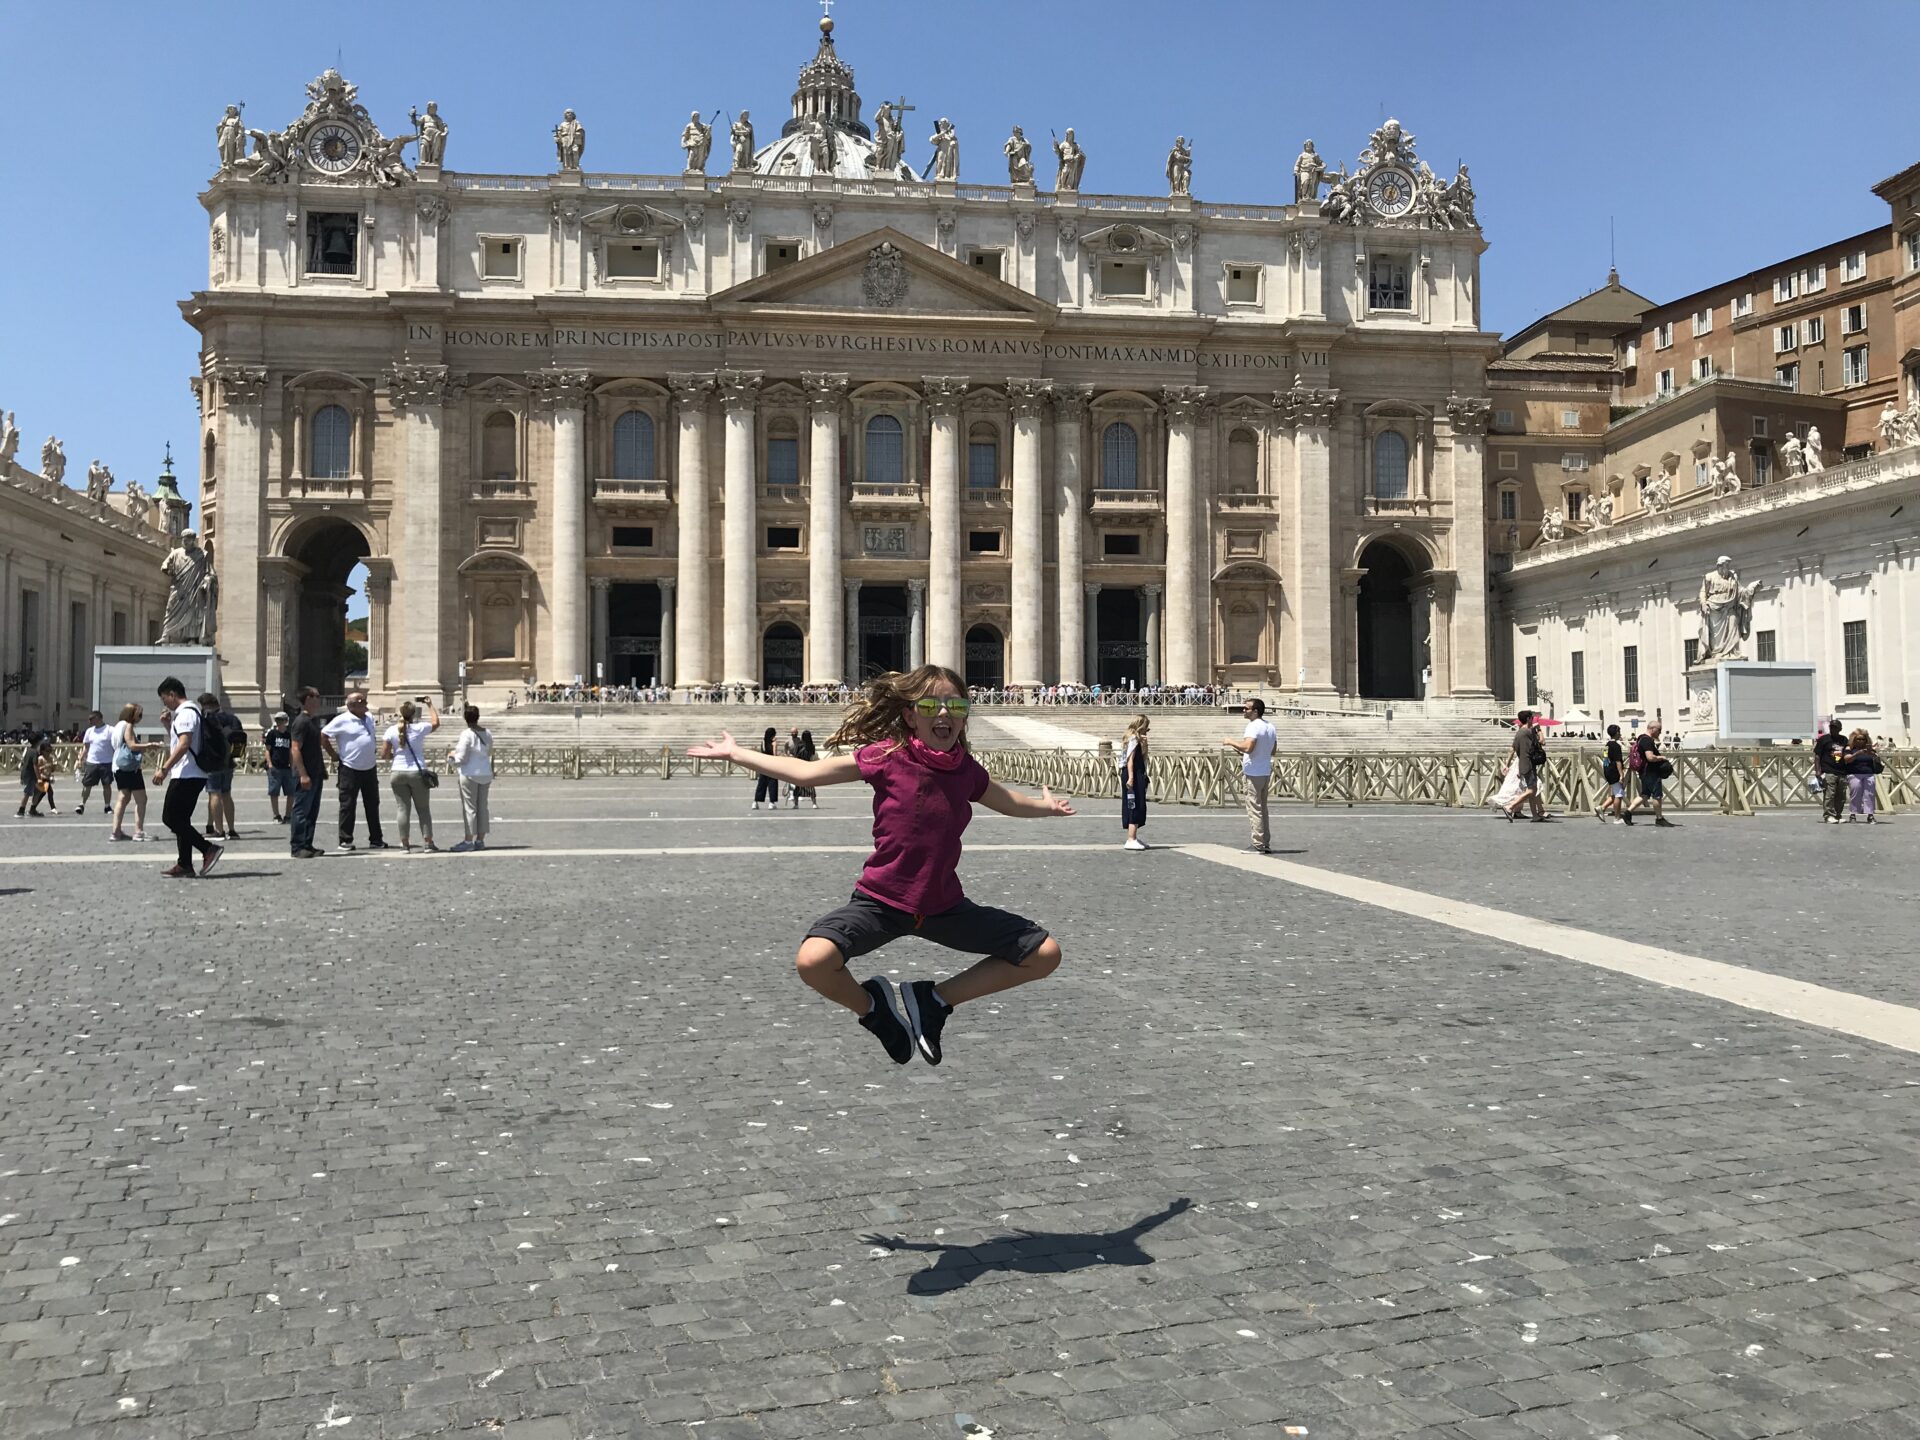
(824, 414)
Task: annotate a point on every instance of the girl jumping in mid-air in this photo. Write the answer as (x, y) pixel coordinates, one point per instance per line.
(910, 737)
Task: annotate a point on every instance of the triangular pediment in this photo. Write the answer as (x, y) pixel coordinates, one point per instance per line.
(881, 273)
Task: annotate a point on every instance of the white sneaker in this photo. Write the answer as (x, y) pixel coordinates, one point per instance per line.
(1135, 845)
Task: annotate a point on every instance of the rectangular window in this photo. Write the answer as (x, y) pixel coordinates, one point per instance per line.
(1700, 473)
(783, 537)
(1663, 336)
(1111, 545)
(1663, 383)
(1243, 284)
(1853, 365)
(1387, 283)
(779, 254)
(1762, 465)
(1785, 337)
(1124, 279)
(783, 460)
(1573, 462)
(633, 260)
(983, 542)
(1913, 249)
(1816, 277)
(1703, 321)
(1503, 419)
(1693, 651)
(1509, 504)
(1853, 319)
(1742, 305)
(1630, 673)
(1787, 375)
(1576, 504)
(77, 648)
(983, 466)
(333, 242)
(1579, 677)
(1763, 646)
(1630, 356)
(1569, 419)
(989, 262)
(119, 627)
(1703, 367)
(29, 634)
(1853, 636)
(1785, 287)
(501, 258)
(1533, 680)
(1855, 266)
(633, 537)
(1816, 330)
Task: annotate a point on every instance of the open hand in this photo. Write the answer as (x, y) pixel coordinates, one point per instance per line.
(725, 748)
(1054, 807)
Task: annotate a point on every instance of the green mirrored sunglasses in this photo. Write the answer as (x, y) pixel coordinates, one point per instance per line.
(930, 705)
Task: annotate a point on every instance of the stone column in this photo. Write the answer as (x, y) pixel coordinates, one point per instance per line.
(1150, 602)
(917, 624)
(1311, 413)
(242, 511)
(693, 618)
(740, 598)
(1069, 521)
(602, 589)
(1029, 567)
(1183, 528)
(1348, 630)
(852, 613)
(418, 393)
(826, 619)
(667, 660)
(1088, 604)
(564, 394)
(379, 598)
(1468, 627)
(943, 643)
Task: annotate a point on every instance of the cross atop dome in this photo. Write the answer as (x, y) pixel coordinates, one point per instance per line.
(826, 90)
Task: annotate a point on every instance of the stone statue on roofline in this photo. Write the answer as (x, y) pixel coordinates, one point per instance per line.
(741, 134)
(1073, 162)
(570, 140)
(1019, 152)
(1180, 167)
(432, 131)
(1307, 170)
(697, 140)
(946, 151)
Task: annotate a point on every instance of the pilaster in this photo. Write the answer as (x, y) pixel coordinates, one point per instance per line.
(418, 395)
(242, 536)
(1468, 418)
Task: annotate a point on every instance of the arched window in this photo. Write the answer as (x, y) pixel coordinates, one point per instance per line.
(1119, 457)
(498, 457)
(1243, 463)
(1390, 466)
(983, 458)
(783, 451)
(330, 443)
(632, 446)
(886, 452)
(210, 457)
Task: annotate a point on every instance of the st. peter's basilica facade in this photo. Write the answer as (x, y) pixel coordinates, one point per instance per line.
(827, 412)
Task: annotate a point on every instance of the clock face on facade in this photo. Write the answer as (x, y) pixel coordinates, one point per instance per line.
(1391, 191)
(333, 148)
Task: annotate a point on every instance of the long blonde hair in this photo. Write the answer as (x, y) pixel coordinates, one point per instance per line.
(1137, 728)
(880, 712)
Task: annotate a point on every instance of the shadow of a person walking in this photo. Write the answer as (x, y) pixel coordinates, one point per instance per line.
(1032, 1252)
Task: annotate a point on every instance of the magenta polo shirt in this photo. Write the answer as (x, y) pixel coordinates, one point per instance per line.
(919, 814)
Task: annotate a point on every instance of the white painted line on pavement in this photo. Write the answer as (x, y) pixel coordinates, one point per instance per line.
(1881, 1021)
(159, 859)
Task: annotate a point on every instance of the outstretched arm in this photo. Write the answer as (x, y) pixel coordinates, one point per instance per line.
(1023, 807)
(836, 770)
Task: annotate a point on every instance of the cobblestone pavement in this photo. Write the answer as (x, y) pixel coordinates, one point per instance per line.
(550, 1143)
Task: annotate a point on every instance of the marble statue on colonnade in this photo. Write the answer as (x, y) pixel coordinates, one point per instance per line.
(1307, 170)
(741, 133)
(1180, 167)
(1019, 152)
(1726, 613)
(697, 141)
(432, 131)
(9, 443)
(1073, 162)
(1813, 455)
(946, 151)
(231, 136)
(53, 460)
(570, 140)
(99, 481)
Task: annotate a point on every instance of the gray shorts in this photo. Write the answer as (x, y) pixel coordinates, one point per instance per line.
(220, 782)
(864, 924)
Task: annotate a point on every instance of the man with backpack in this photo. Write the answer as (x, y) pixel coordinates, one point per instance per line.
(233, 736)
(192, 746)
(1652, 768)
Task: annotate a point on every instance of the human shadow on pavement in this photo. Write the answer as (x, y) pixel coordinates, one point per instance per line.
(1029, 1252)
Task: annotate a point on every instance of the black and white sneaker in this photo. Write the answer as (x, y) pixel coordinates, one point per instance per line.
(884, 1021)
(926, 1017)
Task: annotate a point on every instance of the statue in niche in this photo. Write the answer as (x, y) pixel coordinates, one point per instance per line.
(432, 131)
(189, 572)
(1307, 170)
(53, 460)
(946, 151)
(1813, 455)
(1073, 162)
(570, 140)
(9, 443)
(99, 481)
(742, 137)
(697, 141)
(1180, 167)
(889, 141)
(1792, 457)
(1019, 152)
(1726, 613)
(231, 136)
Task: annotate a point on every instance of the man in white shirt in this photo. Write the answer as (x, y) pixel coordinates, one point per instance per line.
(97, 763)
(1256, 768)
(349, 738)
(187, 781)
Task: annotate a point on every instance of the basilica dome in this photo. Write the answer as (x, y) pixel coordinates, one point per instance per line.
(826, 113)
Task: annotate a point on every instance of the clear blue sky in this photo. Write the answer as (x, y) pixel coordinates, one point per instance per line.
(1718, 136)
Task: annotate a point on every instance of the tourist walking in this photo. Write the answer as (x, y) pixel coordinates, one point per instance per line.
(1653, 768)
(909, 738)
(805, 750)
(1529, 754)
(129, 786)
(1255, 745)
(1863, 765)
(278, 743)
(765, 787)
(1133, 782)
(349, 739)
(217, 716)
(96, 762)
(472, 758)
(1831, 773)
(791, 746)
(181, 772)
(409, 776)
(36, 779)
(1613, 770)
(307, 751)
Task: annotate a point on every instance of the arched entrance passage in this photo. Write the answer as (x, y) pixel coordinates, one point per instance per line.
(782, 651)
(314, 645)
(1388, 668)
(986, 657)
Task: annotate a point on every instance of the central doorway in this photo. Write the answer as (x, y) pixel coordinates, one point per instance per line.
(633, 634)
(1122, 650)
(1388, 667)
(884, 618)
(319, 654)
(986, 658)
(783, 649)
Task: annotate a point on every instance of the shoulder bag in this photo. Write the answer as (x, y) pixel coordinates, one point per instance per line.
(431, 777)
